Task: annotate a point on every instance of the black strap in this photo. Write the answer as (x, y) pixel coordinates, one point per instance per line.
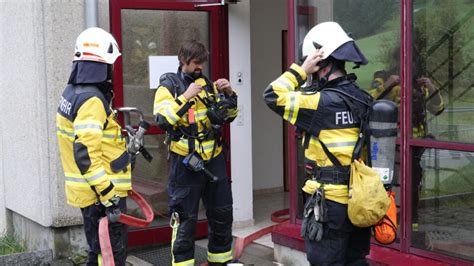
(331, 157)
(332, 175)
(307, 139)
(346, 94)
(178, 85)
(363, 117)
(386, 91)
(107, 189)
(389, 132)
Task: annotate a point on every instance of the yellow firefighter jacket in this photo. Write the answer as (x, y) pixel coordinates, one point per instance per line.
(174, 114)
(325, 116)
(93, 153)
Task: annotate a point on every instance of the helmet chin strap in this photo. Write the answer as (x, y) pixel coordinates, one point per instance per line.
(322, 81)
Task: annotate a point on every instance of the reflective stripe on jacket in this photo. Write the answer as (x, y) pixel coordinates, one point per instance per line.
(323, 114)
(175, 112)
(93, 157)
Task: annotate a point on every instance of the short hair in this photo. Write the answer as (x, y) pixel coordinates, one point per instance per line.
(192, 50)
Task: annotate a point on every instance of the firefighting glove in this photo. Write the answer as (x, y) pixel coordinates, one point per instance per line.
(113, 211)
(315, 214)
(310, 228)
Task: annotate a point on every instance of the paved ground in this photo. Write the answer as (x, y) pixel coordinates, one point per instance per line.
(254, 254)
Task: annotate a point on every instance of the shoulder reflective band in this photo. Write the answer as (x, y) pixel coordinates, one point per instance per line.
(104, 239)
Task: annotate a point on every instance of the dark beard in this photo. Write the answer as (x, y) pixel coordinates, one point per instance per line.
(196, 75)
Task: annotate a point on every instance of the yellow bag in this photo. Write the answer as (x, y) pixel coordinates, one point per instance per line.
(368, 201)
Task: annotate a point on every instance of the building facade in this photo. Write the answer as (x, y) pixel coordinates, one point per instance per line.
(251, 42)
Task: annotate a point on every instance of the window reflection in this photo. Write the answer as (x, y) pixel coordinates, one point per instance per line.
(442, 56)
(446, 207)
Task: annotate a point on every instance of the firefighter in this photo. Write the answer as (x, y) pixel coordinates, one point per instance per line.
(331, 129)
(93, 153)
(192, 110)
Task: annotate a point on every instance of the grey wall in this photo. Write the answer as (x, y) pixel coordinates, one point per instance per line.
(242, 158)
(268, 19)
(36, 48)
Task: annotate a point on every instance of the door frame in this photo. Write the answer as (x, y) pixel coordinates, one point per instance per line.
(218, 42)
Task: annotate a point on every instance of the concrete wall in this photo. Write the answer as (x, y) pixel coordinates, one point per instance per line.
(241, 128)
(289, 257)
(37, 46)
(269, 17)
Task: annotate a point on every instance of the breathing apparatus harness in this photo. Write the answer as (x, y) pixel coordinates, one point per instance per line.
(216, 113)
(361, 111)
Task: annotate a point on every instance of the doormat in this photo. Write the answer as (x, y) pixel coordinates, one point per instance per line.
(161, 255)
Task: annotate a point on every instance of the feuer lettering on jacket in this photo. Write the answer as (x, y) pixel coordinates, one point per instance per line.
(344, 118)
(65, 106)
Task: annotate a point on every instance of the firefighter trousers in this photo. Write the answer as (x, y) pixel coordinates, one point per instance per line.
(185, 189)
(117, 232)
(342, 243)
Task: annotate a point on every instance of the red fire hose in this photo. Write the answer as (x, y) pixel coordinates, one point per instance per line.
(242, 242)
(104, 239)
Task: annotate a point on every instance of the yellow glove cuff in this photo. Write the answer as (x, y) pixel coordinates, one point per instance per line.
(310, 187)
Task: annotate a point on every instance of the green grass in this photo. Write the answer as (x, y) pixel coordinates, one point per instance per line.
(10, 244)
(371, 48)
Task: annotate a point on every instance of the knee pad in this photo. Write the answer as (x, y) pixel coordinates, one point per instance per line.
(222, 215)
(220, 224)
(185, 236)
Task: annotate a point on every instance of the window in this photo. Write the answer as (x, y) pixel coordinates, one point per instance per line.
(442, 217)
(442, 85)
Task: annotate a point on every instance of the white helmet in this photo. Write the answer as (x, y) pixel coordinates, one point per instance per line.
(95, 44)
(328, 36)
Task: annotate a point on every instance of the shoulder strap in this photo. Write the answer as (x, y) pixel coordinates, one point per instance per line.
(343, 93)
(385, 92)
(173, 83)
(363, 128)
(331, 156)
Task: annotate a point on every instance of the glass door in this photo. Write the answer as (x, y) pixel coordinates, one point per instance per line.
(441, 155)
(150, 35)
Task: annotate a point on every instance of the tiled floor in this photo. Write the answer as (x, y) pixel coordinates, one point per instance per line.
(260, 252)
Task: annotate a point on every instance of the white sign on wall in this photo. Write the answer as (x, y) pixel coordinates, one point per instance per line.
(158, 65)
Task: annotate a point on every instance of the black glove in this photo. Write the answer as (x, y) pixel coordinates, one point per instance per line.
(312, 226)
(314, 230)
(113, 211)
